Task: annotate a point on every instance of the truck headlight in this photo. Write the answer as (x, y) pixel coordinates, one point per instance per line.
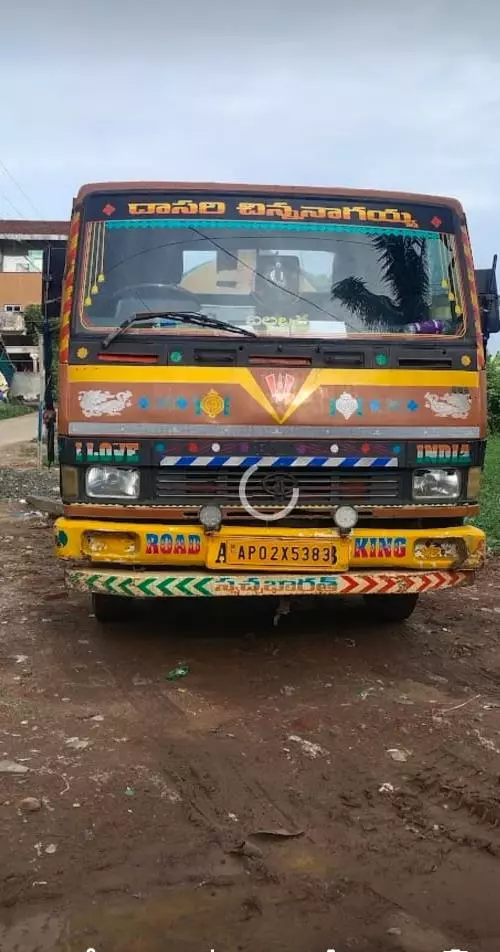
(112, 482)
(436, 484)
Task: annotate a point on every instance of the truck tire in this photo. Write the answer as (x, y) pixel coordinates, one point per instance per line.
(109, 609)
(385, 609)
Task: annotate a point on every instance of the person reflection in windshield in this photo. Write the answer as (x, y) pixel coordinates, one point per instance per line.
(277, 284)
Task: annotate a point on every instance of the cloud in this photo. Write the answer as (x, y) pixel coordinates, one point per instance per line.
(391, 94)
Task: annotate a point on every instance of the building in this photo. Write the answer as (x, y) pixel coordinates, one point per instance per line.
(21, 254)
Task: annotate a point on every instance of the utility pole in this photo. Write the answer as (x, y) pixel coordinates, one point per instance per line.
(41, 400)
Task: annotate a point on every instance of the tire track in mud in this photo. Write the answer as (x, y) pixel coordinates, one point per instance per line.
(317, 868)
(457, 796)
(220, 793)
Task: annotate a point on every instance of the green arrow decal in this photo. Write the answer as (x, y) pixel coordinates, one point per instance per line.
(200, 586)
(109, 583)
(165, 584)
(124, 585)
(184, 585)
(144, 586)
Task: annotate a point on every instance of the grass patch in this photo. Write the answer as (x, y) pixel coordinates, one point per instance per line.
(489, 517)
(9, 410)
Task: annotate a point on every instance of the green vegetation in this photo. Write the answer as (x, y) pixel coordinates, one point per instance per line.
(489, 518)
(10, 409)
(33, 319)
(493, 370)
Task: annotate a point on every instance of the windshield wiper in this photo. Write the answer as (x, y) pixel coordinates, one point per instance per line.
(184, 317)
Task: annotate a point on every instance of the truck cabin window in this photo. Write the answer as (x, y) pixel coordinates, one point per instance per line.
(285, 281)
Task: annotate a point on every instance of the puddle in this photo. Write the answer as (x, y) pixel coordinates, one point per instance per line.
(213, 913)
(299, 857)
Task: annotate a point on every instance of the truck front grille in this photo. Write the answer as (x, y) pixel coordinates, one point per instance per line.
(273, 488)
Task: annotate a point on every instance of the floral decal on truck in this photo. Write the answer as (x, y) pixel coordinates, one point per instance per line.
(96, 403)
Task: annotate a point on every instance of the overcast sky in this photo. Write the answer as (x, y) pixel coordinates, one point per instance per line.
(397, 94)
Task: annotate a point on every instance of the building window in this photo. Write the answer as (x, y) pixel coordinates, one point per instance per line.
(23, 262)
(12, 308)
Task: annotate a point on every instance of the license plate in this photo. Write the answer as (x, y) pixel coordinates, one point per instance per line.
(269, 553)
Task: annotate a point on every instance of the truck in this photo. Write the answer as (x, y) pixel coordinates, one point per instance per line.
(268, 391)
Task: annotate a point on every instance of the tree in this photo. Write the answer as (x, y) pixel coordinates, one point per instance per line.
(404, 267)
(33, 319)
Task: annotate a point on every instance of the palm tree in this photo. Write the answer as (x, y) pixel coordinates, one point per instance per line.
(404, 268)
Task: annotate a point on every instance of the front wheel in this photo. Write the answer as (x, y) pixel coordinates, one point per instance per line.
(390, 608)
(110, 608)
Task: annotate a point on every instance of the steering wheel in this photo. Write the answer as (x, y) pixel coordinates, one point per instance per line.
(152, 290)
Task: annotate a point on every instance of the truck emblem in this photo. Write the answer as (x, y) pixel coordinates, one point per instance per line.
(281, 387)
(267, 516)
(279, 485)
(346, 405)
(212, 404)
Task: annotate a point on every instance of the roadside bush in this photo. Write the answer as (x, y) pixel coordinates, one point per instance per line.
(493, 373)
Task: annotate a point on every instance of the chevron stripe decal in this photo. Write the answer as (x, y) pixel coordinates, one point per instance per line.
(284, 462)
(160, 585)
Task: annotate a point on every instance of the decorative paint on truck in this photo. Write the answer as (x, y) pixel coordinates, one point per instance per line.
(218, 411)
(345, 399)
(433, 453)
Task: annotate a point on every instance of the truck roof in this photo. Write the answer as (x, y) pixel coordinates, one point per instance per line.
(232, 187)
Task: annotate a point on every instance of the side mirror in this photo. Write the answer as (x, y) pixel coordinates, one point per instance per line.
(54, 259)
(487, 292)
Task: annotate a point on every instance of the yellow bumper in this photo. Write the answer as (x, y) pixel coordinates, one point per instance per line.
(151, 545)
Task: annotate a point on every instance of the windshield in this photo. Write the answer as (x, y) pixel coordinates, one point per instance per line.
(293, 278)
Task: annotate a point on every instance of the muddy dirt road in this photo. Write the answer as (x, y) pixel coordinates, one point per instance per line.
(147, 815)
